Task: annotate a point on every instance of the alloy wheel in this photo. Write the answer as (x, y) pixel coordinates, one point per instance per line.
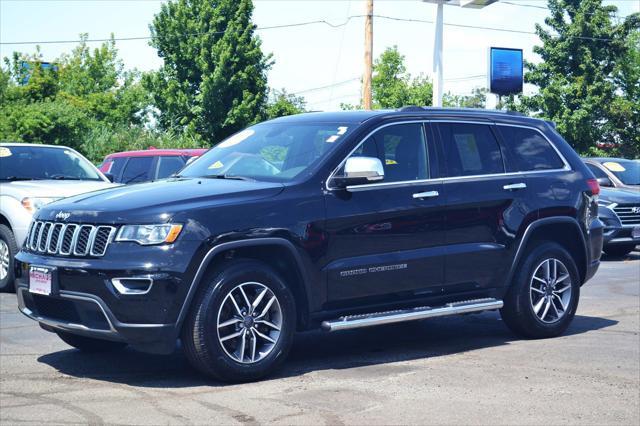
(4, 260)
(550, 290)
(249, 322)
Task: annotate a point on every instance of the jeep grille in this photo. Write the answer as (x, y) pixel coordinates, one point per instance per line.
(69, 239)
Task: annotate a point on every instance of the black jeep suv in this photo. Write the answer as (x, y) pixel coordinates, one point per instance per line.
(321, 220)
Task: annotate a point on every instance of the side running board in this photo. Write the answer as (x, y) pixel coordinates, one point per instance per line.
(378, 318)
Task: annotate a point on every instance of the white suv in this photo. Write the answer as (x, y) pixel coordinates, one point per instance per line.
(30, 177)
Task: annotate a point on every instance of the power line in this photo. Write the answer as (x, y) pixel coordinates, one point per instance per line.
(300, 24)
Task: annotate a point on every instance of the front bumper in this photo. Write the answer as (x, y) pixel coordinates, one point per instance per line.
(88, 315)
(620, 236)
(85, 299)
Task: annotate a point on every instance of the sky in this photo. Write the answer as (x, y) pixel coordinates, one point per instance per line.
(319, 62)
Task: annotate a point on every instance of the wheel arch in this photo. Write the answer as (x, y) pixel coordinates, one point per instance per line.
(279, 253)
(563, 230)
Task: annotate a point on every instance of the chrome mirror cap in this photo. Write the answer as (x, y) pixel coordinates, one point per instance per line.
(364, 168)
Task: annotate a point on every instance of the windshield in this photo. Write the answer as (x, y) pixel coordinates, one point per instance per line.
(276, 152)
(40, 162)
(628, 171)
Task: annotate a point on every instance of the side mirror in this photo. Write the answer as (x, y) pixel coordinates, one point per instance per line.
(109, 176)
(604, 181)
(360, 171)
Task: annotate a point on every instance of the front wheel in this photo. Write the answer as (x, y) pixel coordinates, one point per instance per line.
(241, 324)
(543, 298)
(8, 250)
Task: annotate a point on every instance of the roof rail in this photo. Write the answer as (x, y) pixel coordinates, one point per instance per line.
(410, 108)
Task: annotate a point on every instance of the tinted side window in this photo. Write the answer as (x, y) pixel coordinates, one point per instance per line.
(168, 166)
(137, 170)
(402, 150)
(116, 167)
(597, 172)
(470, 149)
(530, 150)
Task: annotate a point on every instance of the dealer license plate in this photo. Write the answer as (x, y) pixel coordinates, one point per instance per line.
(40, 279)
(635, 232)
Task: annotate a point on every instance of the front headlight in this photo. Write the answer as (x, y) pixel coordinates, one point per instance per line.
(149, 234)
(33, 204)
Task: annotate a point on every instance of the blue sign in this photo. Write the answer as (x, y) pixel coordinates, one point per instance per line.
(27, 69)
(505, 71)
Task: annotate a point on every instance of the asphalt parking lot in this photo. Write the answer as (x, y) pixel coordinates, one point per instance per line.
(461, 370)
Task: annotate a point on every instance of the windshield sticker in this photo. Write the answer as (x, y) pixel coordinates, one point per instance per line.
(236, 139)
(614, 167)
(332, 139)
(5, 152)
(217, 165)
(342, 130)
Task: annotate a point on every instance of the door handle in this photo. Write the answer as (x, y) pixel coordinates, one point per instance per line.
(428, 194)
(514, 186)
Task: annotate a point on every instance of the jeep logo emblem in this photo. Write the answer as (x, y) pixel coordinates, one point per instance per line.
(63, 215)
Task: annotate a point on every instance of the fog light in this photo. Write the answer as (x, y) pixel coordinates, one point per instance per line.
(132, 285)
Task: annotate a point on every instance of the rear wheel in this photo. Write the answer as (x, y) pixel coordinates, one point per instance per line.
(89, 344)
(619, 250)
(241, 324)
(8, 250)
(543, 298)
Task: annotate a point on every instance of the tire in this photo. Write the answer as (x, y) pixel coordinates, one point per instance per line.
(8, 251)
(520, 304)
(619, 250)
(89, 344)
(209, 348)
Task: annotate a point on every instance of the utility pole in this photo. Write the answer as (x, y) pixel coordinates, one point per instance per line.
(368, 57)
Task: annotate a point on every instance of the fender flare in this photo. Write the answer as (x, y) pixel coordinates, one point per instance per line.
(529, 231)
(206, 261)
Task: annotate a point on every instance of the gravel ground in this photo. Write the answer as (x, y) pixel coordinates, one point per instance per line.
(459, 370)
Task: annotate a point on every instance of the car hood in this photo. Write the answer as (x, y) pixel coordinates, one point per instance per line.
(156, 202)
(52, 188)
(620, 196)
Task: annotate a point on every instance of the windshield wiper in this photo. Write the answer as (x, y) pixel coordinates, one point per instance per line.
(62, 177)
(226, 176)
(14, 178)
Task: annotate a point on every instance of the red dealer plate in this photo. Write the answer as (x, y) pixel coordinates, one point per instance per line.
(40, 279)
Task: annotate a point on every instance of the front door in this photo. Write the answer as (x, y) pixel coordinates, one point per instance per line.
(385, 238)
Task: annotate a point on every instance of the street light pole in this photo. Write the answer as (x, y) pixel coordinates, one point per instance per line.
(368, 57)
(438, 60)
(438, 72)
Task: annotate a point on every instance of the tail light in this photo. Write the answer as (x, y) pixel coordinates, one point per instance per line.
(594, 186)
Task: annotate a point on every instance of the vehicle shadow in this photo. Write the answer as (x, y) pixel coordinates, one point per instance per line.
(313, 351)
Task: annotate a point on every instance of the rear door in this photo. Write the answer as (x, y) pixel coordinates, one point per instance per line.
(484, 206)
(386, 238)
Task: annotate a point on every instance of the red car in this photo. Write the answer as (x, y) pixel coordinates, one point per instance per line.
(148, 165)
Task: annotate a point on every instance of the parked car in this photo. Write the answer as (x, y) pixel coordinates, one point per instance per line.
(148, 165)
(322, 220)
(615, 172)
(30, 177)
(620, 212)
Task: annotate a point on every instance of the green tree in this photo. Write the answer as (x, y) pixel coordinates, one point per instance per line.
(282, 104)
(62, 104)
(393, 86)
(213, 81)
(477, 99)
(582, 51)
